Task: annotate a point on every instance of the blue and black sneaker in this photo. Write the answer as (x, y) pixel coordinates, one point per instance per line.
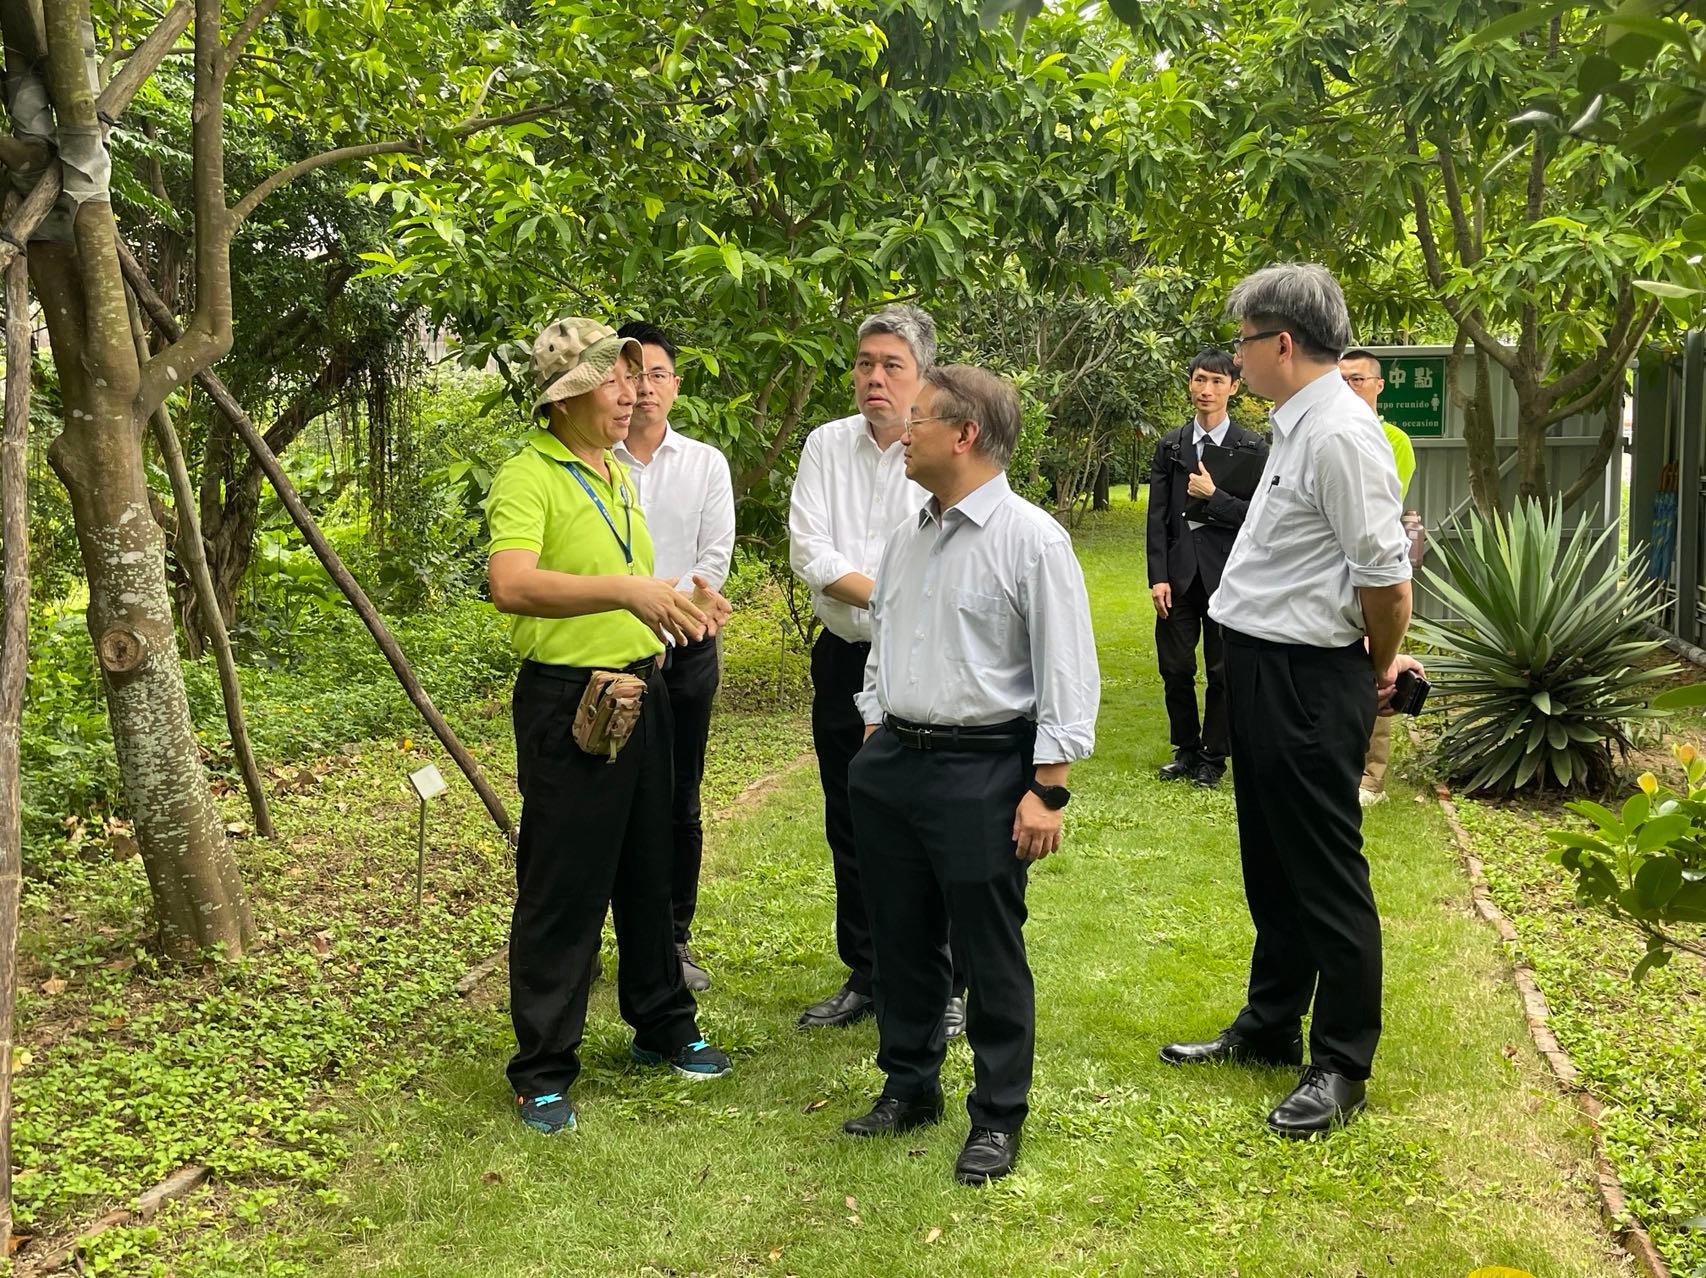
(550, 1113)
(698, 1061)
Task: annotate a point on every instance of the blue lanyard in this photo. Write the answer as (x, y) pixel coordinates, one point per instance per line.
(627, 507)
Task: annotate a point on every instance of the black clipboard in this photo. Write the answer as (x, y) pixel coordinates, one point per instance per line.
(1237, 470)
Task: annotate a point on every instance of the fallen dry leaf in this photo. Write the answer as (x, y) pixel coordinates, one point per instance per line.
(21, 1059)
(125, 847)
(53, 985)
(852, 1203)
(933, 1235)
(492, 1178)
(321, 944)
(816, 1105)
(16, 1241)
(775, 1253)
(236, 829)
(916, 1153)
(854, 1219)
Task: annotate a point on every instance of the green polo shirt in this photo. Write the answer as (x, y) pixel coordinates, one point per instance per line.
(1404, 453)
(535, 504)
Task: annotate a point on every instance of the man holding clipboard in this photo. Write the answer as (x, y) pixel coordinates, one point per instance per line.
(1199, 488)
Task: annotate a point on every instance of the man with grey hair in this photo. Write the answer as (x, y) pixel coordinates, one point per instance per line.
(980, 693)
(850, 492)
(1314, 602)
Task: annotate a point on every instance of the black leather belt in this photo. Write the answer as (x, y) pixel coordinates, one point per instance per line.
(996, 738)
(644, 666)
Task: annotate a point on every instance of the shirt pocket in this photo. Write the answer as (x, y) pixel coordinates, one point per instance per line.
(1281, 506)
(980, 626)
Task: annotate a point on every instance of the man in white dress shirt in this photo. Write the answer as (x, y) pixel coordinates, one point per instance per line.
(689, 504)
(850, 492)
(980, 692)
(1313, 603)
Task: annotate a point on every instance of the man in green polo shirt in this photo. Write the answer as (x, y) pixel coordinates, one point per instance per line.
(1367, 377)
(571, 564)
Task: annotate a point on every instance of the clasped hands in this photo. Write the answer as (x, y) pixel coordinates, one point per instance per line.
(674, 615)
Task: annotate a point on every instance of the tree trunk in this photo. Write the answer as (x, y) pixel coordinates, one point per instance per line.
(1479, 433)
(206, 611)
(198, 890)
(1531, 484)
(1099, 500)
(14, 658)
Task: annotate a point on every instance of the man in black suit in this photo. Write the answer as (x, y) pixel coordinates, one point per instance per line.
(1186, 557)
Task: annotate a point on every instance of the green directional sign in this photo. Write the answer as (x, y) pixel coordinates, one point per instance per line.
(1414, 398)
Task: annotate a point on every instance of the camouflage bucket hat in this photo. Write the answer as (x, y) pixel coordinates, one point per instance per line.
(574, 355)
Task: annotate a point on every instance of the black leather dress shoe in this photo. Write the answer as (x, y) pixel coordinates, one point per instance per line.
(889, 1117)
(1321, 1101)
(1230, 1045)
(954, 1017)
(1207, 775)
(1180, 769)
(988, 1156)
(843, 1007)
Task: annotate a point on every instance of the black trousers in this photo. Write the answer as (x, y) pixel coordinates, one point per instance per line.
(838, 673)
(936, 847)
(1301, 718)
(691, 674)
(1176, 653)
(594, 835)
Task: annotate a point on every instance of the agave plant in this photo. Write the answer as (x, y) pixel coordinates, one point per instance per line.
(1541, 673)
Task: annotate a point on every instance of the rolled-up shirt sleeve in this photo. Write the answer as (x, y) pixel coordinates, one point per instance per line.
(716, 526)
(810, 549)
(868, 700)
(1357, 488)
(1063, 655)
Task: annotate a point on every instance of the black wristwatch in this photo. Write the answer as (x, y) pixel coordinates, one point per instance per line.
(1054, 797)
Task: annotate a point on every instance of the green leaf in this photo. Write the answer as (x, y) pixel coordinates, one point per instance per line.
(1693, 694)
(732, 261)
(1660, 288)
(1657, 881)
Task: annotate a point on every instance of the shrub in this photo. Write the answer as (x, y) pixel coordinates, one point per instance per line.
(1645, 866)
(1541, 673)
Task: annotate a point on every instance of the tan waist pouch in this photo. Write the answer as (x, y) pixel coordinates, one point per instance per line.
(608, 711)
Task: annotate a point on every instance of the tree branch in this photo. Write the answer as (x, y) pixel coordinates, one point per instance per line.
(36, 206)
(1592, 369)
(1614, 366)
(245, 206)
(143, 63)
(1466, 318)
(22, 155)
(247, 27)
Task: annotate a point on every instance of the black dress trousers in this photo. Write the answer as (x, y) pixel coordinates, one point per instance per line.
(691, 674)
(593, 835)
(838, 730)
(1176, 637)
(1301, 718)
(935, 832)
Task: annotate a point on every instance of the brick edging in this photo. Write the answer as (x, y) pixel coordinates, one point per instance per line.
(1624, 1223)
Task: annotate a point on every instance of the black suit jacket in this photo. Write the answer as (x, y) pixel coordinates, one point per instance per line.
(1177, 553)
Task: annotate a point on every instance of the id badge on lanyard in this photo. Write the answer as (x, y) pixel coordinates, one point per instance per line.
(627, 546)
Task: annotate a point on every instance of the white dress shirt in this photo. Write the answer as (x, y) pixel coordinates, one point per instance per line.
(849, 495)
(1215, 435)
(981, 617)
(1325, 519)
(689, 504)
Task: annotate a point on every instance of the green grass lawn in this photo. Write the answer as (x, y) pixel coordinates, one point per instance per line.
(1138, 933)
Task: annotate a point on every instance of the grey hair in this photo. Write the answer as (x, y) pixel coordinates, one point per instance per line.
(912, 325)
(969, 393)
(1302, 298)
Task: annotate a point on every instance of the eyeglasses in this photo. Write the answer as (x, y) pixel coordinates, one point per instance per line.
(1237, 343)
(657, 377)
(1357, 379)
(939, 417)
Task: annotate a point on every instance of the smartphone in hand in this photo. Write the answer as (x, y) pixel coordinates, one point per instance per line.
(1410, 693)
